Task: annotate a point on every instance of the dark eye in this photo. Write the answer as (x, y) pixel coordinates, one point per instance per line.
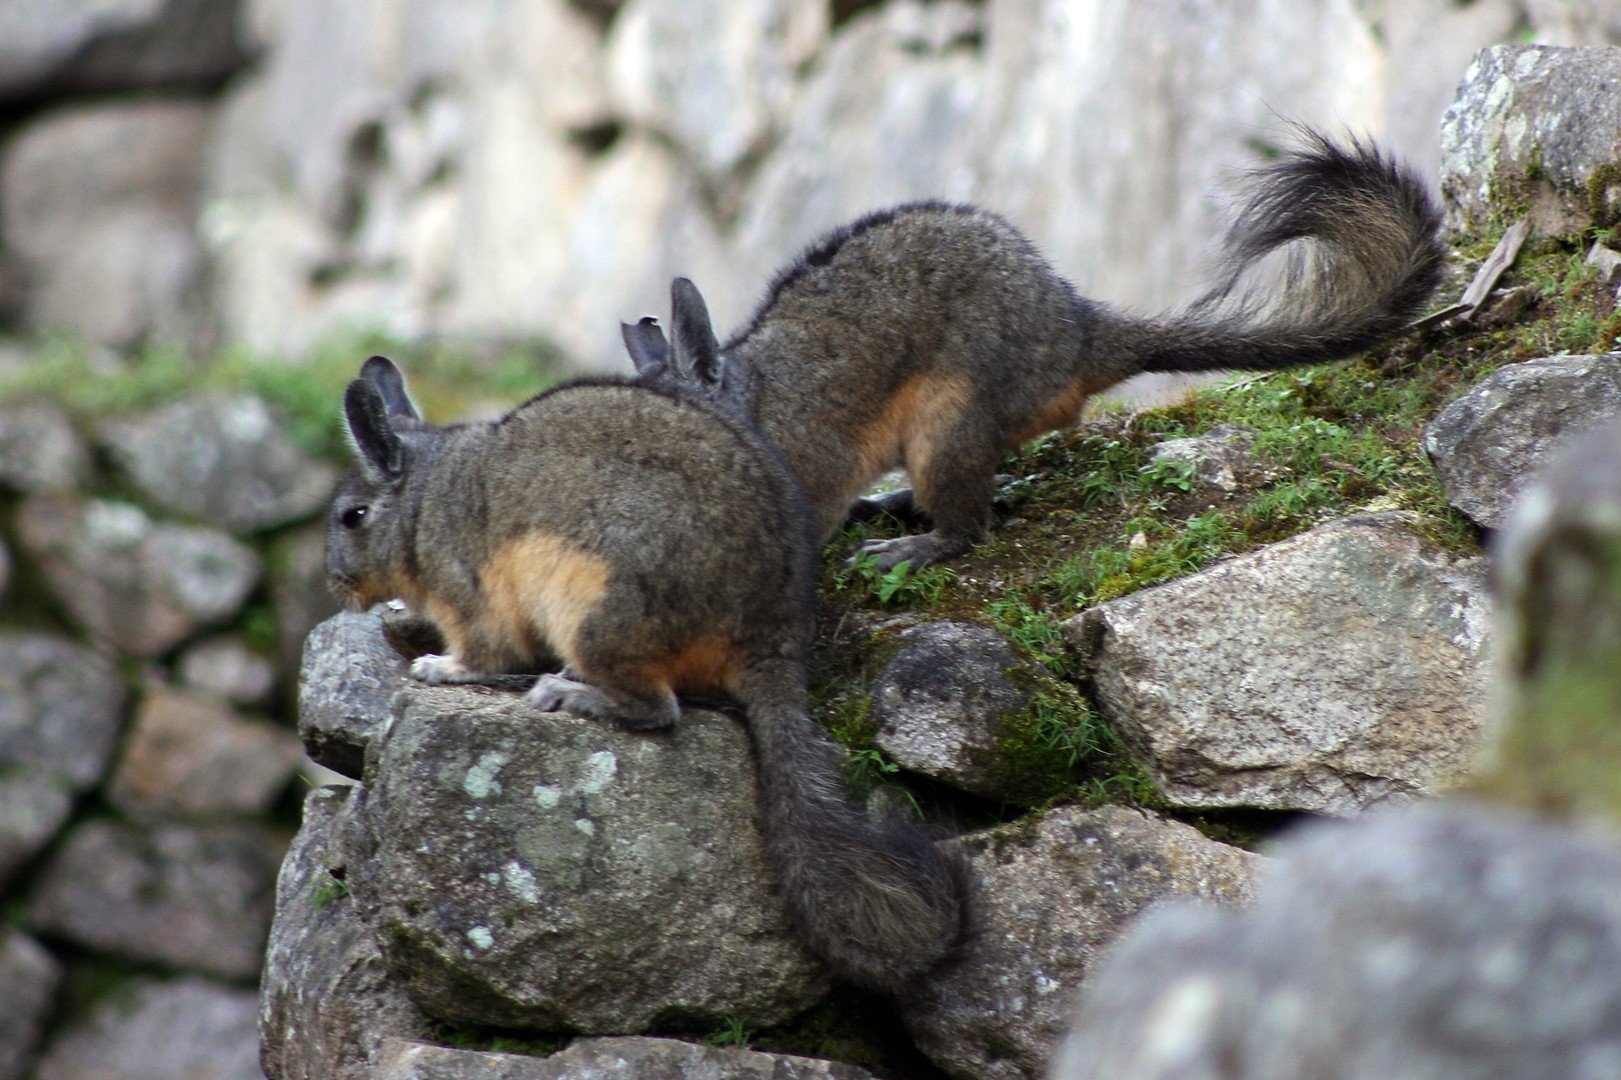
(352, 517)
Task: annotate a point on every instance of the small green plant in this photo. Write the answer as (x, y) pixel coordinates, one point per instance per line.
(330, 889)
(900, 583)
(1170, 473)
(732, 1034)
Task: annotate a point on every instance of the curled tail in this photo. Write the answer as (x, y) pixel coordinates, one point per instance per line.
(875, 899)
(1369, 260)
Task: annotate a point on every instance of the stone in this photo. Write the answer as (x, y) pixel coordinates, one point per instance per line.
(40, 450)
(1216, 460)
(1575, 22)
(1556, 749)
(714, 77)
(345, 686)
(1355, 674)
(606, 1059)
(229, 670)
(1532, 131)
(33, 806)
(188, 755)
(544, 871)
(1432, 941)
(29, 977)
(101, 201)
(1054, 894)
(1489, 443)
(1607, 261)
(187, 896)
(225, 462)
(61, 707)
(161, 1030)
(141, 585)
(327, 1002)
(943, 704)
(51, 48)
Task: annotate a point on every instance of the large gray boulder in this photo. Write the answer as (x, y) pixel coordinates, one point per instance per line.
(161, 1030)
(1533, 131)
(1492, 441)
(61, 706)
(186, 896)
(1054, 893)
(545, 871)
(1330, 672)
(100, 216)
(327, 1001)
(141, 585)
(606, 1059)
(223, 461)
(29, 977)
(1432, 942)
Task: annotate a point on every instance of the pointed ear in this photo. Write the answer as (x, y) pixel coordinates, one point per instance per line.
(376, 442)
(380, 372)
(694, 350)
(648, 350)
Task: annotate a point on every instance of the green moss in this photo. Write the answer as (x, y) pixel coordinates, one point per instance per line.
(1604, 194)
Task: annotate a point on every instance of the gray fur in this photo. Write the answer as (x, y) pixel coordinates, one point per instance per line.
(704, 549)
(842, 365)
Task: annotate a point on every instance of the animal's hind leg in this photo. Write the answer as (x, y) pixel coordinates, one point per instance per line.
(645, 710)
(953, 479)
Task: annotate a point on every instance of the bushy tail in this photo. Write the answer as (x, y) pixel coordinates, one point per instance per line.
(875, 899)
(1369, 259)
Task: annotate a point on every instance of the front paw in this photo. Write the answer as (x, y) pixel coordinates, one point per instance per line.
(441, 670)
(556, 693)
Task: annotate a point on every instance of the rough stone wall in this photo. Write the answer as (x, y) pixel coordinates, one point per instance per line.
(267, 172)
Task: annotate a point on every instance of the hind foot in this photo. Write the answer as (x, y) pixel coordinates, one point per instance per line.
(554, 693)
(916, 551)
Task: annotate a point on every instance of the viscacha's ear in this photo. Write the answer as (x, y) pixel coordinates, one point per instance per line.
(382, 374)
(694, 350)
(649, 352)
(376, 442)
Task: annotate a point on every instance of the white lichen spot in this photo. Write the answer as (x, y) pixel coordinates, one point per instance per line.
(586, 825)
(480, 781)
(481, 937)
(598, 772)
(547, 796)
(521, 880)
(492, 877)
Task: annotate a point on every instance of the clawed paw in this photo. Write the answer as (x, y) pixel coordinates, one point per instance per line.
(439, 670)
(556, 693)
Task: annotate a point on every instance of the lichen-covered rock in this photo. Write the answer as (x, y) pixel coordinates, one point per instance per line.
(944, 705)
(61, 705)
(348, 679)
(188, 755)
(40, 450)
(187, 896)
(1533, 130)
(142, 585)
(1339, 669)
(1426, 943)
(606, 1059)
(161, 1030)
(1489, 444)
(543, 871)
(29, 978)
(223, 461)
(327, 1002)
(1053, 895)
